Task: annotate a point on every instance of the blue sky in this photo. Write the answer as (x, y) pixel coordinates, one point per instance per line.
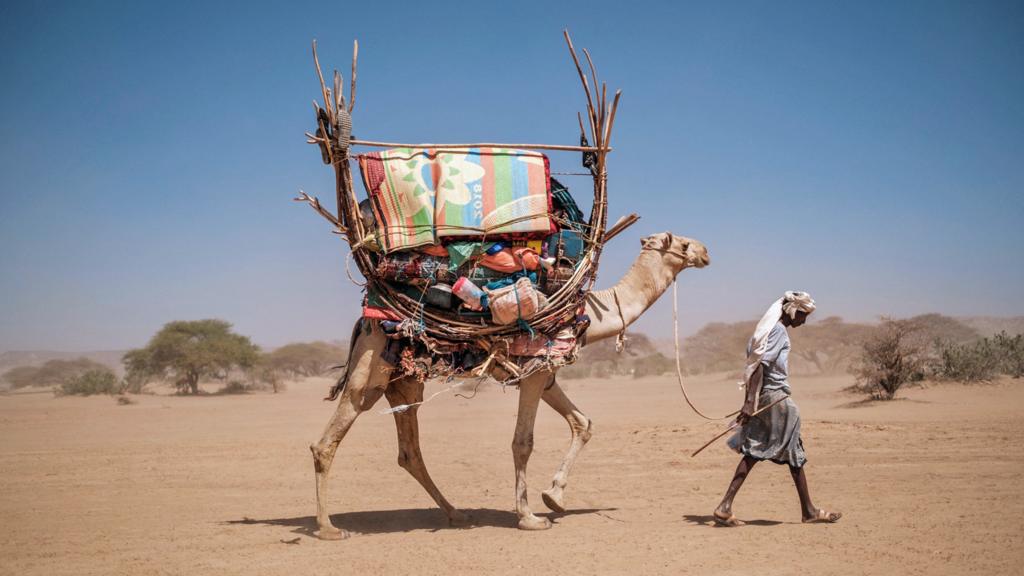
(871, 154)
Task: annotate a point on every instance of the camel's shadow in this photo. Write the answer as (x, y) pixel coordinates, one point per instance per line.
(407, 520)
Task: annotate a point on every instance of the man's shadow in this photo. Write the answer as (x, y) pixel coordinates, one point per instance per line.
(708, 519)
(407, 520)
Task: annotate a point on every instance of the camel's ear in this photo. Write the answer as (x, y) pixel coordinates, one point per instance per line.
(684, 243)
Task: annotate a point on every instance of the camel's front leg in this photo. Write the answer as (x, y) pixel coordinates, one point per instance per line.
(580, 426)
(530, 391)
(410, 391)
(365, 386)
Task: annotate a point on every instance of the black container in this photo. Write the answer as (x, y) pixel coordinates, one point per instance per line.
(440, 296)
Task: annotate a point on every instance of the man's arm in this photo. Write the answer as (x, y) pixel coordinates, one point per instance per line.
(750, 400)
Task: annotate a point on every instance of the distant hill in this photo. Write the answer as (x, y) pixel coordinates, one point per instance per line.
(825, 346)
(989, 325)
(640, 357)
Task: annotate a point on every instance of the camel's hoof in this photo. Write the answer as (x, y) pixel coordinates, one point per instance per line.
(458, 519)
(332, 533)
(534, 523)
(553, 502)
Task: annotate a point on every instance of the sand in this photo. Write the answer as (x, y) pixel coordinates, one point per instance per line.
(929, 484)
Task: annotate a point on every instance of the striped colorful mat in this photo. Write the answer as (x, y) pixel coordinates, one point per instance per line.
(421, 196)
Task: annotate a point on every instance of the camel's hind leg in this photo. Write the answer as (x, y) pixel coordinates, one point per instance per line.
(580, 426)
(366, 383)
(409, 391)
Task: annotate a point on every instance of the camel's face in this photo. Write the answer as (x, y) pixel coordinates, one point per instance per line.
(688, 252)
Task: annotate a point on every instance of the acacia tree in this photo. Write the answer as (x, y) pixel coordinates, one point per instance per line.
(185, 352)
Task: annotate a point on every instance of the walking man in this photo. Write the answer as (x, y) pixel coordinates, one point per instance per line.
(775, 433)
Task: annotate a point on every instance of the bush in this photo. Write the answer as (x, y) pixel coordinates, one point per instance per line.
(982, 359)
(890, 358)
(234, 387)
(974, 362)
(52, 373)
(92, 382)
(1010, 352)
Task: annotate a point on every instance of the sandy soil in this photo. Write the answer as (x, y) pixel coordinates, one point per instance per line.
(224, 485)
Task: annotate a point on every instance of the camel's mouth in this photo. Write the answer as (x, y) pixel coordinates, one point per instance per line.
(702, 258)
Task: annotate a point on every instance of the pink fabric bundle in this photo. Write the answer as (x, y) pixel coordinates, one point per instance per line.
(524, 345)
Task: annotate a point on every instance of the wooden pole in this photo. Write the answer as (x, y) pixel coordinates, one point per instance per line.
(352, 88)
(375, 144)
(622, 224)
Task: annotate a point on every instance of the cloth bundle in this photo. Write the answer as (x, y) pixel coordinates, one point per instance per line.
(411, 267)
(421, 196)
(514, 302)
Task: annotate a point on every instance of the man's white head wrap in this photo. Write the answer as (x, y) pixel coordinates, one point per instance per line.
(789, 304)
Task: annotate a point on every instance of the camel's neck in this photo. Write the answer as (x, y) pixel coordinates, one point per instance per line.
(613, 309)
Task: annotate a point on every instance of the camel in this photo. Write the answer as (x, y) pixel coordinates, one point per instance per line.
(662, 257)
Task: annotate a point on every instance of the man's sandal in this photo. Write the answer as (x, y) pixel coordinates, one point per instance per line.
(824, 517)
(730, 521)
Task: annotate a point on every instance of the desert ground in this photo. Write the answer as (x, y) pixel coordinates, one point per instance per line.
(931, 483)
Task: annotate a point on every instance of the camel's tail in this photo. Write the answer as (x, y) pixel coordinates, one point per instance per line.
(339, 386)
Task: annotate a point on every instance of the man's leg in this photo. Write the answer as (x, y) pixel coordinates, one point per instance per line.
(808, 511)
(723, 514)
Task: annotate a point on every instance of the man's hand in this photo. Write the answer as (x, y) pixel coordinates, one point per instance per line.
(745, 414)
(750, 397)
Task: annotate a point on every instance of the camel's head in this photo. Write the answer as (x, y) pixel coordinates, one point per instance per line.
(681, 252)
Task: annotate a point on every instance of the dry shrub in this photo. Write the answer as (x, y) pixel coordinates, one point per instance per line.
(891, 357)
(974, 362)
(981, 360)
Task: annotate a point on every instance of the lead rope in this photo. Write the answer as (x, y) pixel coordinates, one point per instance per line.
(620, 338)
(679, 370)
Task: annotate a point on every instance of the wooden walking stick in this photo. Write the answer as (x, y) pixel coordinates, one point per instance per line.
(733, 427)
